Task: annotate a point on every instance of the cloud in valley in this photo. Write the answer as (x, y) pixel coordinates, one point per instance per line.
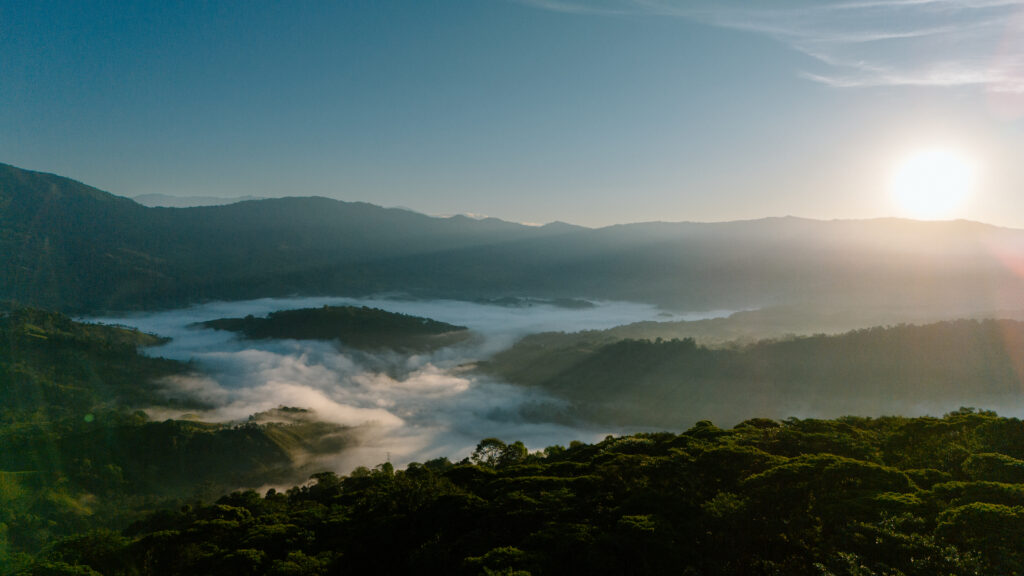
(408, 408)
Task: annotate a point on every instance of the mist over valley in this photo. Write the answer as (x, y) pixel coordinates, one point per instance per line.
(547, 308)
(546, 374)
(512, 288)
(239, 363)
(413, 407)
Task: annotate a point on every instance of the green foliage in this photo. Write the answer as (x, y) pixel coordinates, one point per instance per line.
(892, 495)
(993, 530)
(960, 493)
(359, 327)
(52, 368)
(995, 467)
(708, 501)
(493, 453)
(78, 457)
(672, 383)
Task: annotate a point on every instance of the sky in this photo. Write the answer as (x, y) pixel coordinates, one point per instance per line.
(593, 113)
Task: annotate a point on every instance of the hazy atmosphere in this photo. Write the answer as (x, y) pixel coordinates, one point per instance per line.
(512, 287)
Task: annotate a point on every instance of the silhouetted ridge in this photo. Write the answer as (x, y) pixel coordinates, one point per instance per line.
(70, 246)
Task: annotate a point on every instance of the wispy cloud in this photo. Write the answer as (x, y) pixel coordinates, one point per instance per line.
(571, 7)
(939, 43)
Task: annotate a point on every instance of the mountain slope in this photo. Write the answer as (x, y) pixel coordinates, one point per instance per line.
(897, 264)
(902, 369)
(169, 201)
(67, 245)
(64, 244)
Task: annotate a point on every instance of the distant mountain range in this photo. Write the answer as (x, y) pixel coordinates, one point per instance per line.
(70, 246)
(170, 201)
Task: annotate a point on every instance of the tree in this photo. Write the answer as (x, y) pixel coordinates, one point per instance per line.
(488, 452)
(513, 454)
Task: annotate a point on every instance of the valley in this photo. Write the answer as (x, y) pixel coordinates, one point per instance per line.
(512, 288)
(466, 355)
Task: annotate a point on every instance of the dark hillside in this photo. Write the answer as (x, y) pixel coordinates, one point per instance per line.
(365, 328)
(673, 383)
(70, 246)
(853, 496)
(77, 452)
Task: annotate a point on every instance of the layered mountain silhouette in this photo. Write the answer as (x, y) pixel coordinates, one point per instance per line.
(169, 201)
(70, 246)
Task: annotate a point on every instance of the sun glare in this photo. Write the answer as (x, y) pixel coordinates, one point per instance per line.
(932, 184)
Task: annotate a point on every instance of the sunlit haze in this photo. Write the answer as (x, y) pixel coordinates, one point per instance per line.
(932, 184)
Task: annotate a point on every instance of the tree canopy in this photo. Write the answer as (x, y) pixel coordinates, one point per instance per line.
(814, 497)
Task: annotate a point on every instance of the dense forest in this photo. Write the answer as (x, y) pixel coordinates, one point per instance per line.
(744, 327)
(91, 484)
(850, 496)
(77, 453)
(358, 327)
(672, 383)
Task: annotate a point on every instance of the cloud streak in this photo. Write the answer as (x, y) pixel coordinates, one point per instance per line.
(928, 43)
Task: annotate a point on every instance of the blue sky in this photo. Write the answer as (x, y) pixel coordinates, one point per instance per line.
(532, 110)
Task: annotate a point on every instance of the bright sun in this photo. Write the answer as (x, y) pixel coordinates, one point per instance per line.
(932, 184)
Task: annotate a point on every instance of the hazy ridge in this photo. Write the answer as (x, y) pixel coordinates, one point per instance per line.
(905, 369)
(70, 246)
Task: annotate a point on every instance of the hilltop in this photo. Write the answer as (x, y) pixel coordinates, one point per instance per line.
(358, 327)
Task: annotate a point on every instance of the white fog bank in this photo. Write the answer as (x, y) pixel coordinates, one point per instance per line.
(406, 408)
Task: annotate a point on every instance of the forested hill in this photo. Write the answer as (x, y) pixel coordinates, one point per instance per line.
(67, 245)
(54, 369)
(673, 383)
(78, 453)
(854, 496)
(358, 327)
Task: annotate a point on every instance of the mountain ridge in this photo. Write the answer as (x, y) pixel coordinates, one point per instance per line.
(70, 246)
(555, 223)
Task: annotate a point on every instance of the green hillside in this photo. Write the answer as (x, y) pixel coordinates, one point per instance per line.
(673, 383)
(853, 496)
(78, 453)
(66, 245)
(358, 327)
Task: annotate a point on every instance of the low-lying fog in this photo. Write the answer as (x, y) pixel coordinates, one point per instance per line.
(406, 408)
